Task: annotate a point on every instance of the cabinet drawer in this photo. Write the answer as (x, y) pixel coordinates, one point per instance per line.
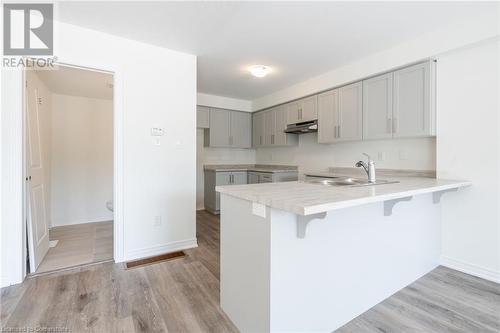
(266, 178)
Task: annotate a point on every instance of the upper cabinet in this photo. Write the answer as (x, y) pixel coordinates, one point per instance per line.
(413, 101)
(350, 119)
(328, 114)
(269, 128)
(377, 107)
(240, 134)
(202, 117)
(230, 129)
(258, 129)
(302, 110)
(340, 114)
(400, 104)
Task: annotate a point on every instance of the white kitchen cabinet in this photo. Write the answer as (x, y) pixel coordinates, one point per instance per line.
(340, 115)
(328, 113)
(219, 132)
(280, 137)
(219, 178)
(302, 110)
(231, 129)
(413, 101)
(377, 107)
(202, 117)
(269, 127)
(258, 129)
(350, 113)
(240, 134)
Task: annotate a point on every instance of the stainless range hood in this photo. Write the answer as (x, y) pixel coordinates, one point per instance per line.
(305, 127)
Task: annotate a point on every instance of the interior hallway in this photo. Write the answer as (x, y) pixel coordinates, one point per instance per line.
(183, 296)
(78, 244)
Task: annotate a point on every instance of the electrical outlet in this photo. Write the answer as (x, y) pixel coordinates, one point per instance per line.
(381, 156)
(157, 222)
(403, 155)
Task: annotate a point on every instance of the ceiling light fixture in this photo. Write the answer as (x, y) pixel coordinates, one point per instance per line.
(259, 70)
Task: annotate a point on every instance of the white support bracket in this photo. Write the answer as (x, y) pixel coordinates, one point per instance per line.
(303, 222)
(436, 196)
(389, 204)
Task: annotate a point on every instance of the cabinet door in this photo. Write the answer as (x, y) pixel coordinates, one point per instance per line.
(377, 107)
(240, 135)
(219, 128)
(258, 129)
(292, 113)
(269, 127)
(280, 137)
(413, 114)
(253, 178)
(239, 178)
(350, 121)
(202, 117)
(308, 109)
(328, 116)
(221, 179)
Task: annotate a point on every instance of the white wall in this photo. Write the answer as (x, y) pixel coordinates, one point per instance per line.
(82, 159)
(159, 182)
(425, 46)
(409, 154)
(205, 155)
(468, 147)
(224, 102)
(153, 86)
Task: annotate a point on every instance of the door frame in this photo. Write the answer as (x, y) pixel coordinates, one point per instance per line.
(118, 139)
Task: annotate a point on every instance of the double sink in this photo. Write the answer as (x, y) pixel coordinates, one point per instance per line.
(346, 181)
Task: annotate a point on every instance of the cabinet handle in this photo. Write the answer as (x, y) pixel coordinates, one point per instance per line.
(260, 140)
(335, 131)
(394, 125)
(272, 139)
(300, 114)
(338, 131)
(230, 140)
(389, 125)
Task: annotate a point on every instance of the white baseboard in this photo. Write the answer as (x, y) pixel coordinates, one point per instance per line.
(95, 220)
(160, 249)
(471, 269)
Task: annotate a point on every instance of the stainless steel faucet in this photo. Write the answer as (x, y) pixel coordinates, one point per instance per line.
(369, 168)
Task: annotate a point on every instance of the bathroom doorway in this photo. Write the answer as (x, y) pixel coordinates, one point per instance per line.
(69, 167)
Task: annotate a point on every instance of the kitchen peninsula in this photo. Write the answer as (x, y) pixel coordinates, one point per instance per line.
(303, 256)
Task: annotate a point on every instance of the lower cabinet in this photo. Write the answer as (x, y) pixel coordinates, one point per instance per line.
(221, 178)
(268, 177)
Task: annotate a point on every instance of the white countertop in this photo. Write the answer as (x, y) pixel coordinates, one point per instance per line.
(303, 198)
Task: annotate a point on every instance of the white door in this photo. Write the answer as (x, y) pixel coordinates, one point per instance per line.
(38, 229)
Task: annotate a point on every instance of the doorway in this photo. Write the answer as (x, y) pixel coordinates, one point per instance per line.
(69, 167)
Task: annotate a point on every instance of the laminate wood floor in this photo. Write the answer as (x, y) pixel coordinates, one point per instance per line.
(78, 244)
(183, 296)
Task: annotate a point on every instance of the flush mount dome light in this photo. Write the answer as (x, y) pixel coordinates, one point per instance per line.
(259, 70)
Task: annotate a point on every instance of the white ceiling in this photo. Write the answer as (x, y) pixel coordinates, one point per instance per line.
(298, 39)
(78, 82)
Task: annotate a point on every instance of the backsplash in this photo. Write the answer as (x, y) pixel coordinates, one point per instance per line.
(408, 154)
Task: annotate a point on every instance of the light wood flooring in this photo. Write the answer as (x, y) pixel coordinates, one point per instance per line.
(78, 244)
(183, 296)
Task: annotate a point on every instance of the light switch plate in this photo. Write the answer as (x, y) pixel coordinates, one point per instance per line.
(157, 131)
